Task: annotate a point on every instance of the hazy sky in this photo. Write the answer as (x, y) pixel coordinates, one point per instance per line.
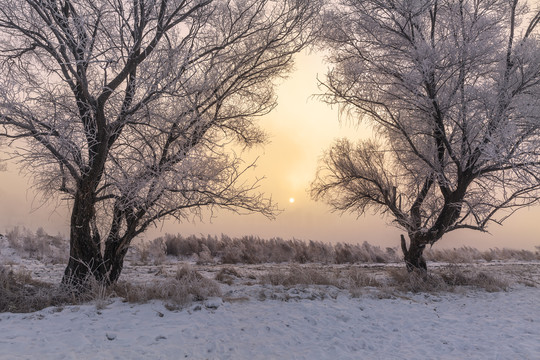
(300, 128)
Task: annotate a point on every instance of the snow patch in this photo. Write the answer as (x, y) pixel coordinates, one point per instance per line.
(482, 325)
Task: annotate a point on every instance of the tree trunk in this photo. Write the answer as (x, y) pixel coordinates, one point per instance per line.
(117, 245)
(85, 260)
(114, 256)
(414, 259)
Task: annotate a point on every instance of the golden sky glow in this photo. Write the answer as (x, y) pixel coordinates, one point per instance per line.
(300, 128)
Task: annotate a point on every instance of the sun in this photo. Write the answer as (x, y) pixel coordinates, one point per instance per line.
(291, 200)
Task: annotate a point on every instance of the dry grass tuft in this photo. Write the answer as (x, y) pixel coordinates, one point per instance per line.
(454, 276)
(186, 286)
(227, 275)
(20, 293)
(356, 280)
(416, 281)
(446, 279)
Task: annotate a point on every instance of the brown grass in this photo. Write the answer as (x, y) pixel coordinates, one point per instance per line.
(389, 281)
(468, 254)
(227, 275)
(356, 280)
(254, 250)
(446, 279)
(186, 286)
(20, 293)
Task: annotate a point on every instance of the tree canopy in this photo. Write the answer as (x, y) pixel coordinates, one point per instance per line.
(126, 108)
(452, 89)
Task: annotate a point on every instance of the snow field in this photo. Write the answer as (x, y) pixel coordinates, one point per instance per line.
(478, 325)
(254, 320)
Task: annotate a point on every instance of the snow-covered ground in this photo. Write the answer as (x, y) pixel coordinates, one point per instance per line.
(259, 321)
(502, 325)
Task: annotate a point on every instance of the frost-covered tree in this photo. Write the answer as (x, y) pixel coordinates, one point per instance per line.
(127, 108)
(452, 90)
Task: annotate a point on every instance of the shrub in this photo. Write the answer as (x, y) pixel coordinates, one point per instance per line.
(154, 251)
(39, 245)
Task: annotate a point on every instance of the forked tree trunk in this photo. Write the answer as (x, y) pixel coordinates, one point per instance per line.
(113, 257)
(118, 242)
(85, 260)
(413, 256)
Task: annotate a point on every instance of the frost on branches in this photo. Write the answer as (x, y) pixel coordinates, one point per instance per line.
(126, 108)
(452, 88)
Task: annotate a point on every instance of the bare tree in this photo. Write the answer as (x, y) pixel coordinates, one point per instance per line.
(127, 108)
(452, 89)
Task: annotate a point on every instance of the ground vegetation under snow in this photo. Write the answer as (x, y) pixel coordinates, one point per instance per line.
(170, 307)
